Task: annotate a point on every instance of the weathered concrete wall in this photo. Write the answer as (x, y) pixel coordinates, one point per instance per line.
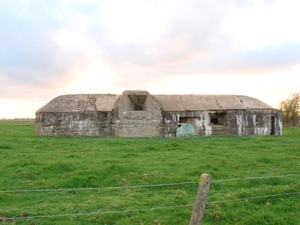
(74, 124)
(277, 123)
(255, 122)
(249, 123)
(145, 122)
(231, 122)
(199, 120)
(76, 115)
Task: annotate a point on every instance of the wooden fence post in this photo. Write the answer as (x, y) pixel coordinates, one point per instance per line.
(200, 201)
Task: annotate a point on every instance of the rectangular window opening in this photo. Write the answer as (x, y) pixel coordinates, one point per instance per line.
(218, 118)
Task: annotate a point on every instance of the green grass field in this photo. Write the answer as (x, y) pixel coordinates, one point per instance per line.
(105, 180)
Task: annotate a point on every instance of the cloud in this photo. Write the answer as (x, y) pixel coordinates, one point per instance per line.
(46, 43)
(30, 52)
(269, 59)
(193, 34)
(197, 41)
(48, 48)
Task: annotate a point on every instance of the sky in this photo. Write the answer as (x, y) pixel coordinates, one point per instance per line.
(240, 47)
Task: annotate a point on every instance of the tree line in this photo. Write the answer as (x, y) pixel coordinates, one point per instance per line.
(290, 108)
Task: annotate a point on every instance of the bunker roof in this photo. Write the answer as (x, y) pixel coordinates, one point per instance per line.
(106, 102)
(80, 102)
(209, 102)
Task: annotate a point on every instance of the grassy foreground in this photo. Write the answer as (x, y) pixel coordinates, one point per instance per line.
(69, 166)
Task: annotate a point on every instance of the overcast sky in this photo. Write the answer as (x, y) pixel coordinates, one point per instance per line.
(56, 47)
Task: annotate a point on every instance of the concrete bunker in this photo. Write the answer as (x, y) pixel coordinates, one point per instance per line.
(137, 113)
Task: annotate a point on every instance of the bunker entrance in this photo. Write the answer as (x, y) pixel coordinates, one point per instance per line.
(272, 125)
(190, 120)
(189, 125)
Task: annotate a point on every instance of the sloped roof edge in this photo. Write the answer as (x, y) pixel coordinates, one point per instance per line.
(80, 102)
(106, 102)
(209, 102)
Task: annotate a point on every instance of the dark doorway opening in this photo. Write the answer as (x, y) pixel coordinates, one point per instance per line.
(272, 125)
(214, 120)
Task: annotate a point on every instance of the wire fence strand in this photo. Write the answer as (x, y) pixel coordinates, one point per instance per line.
(98, 188)
(100, 212)
(254, 197)
(255, 178)
(141, 186)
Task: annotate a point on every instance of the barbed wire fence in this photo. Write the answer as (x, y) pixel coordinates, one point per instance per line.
(100, 212)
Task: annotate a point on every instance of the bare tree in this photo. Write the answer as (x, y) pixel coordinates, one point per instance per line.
(290, 108)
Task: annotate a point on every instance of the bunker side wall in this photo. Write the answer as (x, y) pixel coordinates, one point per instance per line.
(230, 122)
(249, 122)
(89, 123)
